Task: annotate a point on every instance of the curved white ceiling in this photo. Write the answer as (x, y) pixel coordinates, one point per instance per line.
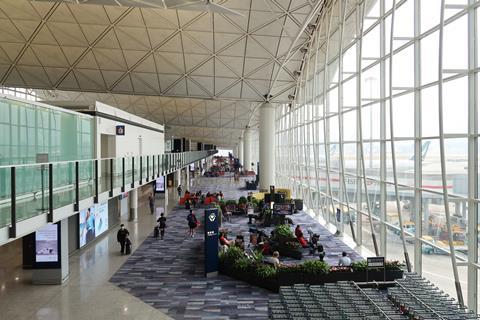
(220, 59)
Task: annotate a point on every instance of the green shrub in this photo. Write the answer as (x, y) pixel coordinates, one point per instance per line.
(393, 265)
(257, 256)
(315, 267)
(230, 202)
(294, 268)
(359, 265)
(283, 231)
(242, 200)
(230, 256)
(265, 271)
(242, 264)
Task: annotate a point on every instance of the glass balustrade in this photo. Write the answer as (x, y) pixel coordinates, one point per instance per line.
(69, 182)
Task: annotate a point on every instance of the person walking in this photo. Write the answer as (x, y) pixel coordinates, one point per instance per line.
(162, 224)
(179, 190)
(122, 237)
(192, 223)
(151, 202)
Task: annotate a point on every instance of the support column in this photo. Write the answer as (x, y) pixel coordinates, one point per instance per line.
(267, 146)
(240, 150)
(133, 196)
(187, 178)
(178, 177)
(247, 152)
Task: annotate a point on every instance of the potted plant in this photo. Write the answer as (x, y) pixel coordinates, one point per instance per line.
(285, 242)
(231, 203)
(242, 200)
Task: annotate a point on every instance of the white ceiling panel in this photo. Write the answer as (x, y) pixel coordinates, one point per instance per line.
(120, 54)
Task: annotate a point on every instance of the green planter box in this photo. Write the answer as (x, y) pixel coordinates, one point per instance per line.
(291, 278)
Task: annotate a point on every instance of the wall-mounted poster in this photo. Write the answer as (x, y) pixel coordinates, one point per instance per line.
(46, 244)
(93, 221)
(101, 218)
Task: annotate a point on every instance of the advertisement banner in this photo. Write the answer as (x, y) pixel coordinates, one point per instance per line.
(46, 244)
(211, 241)
(160, 184)
(101, 218)
(93, 221)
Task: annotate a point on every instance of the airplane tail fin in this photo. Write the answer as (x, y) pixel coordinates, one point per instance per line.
(425, 147)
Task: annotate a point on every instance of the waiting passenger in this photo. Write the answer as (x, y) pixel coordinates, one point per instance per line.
(314, 243)
(224, 241)
(300, 238)
(240, 242)
(344, 261)
(274, 259)
(321, 252)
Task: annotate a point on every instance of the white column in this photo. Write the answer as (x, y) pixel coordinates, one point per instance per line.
(267, 146)
(178, 177)
(165, 202)
(247, 150)
(133, 196)
(240, 150)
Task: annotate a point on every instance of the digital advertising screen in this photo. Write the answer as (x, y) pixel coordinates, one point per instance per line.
(160, 184)
(101, 218)
(93, 222)
(46, 244)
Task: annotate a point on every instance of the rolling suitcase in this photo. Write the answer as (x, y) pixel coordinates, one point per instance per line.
(156, 232)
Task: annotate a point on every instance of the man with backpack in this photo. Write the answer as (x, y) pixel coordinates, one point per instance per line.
(162, 224)
(122, 237)
(192, 223)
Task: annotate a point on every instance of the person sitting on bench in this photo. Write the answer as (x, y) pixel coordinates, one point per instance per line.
(321, 252)
(274, 259)
(300, 238)
(224, 241)
(240, 242)
(313, 244)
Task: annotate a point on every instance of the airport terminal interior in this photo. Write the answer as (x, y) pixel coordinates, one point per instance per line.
(239, 159)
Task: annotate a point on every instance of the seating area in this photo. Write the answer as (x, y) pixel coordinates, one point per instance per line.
(421, 299)
(412, 297)
(341, 300)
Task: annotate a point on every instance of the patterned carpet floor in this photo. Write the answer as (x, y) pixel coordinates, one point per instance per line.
(169, 274)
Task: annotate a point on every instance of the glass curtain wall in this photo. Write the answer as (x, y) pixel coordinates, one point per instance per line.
(384, 127)
(31, 132)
